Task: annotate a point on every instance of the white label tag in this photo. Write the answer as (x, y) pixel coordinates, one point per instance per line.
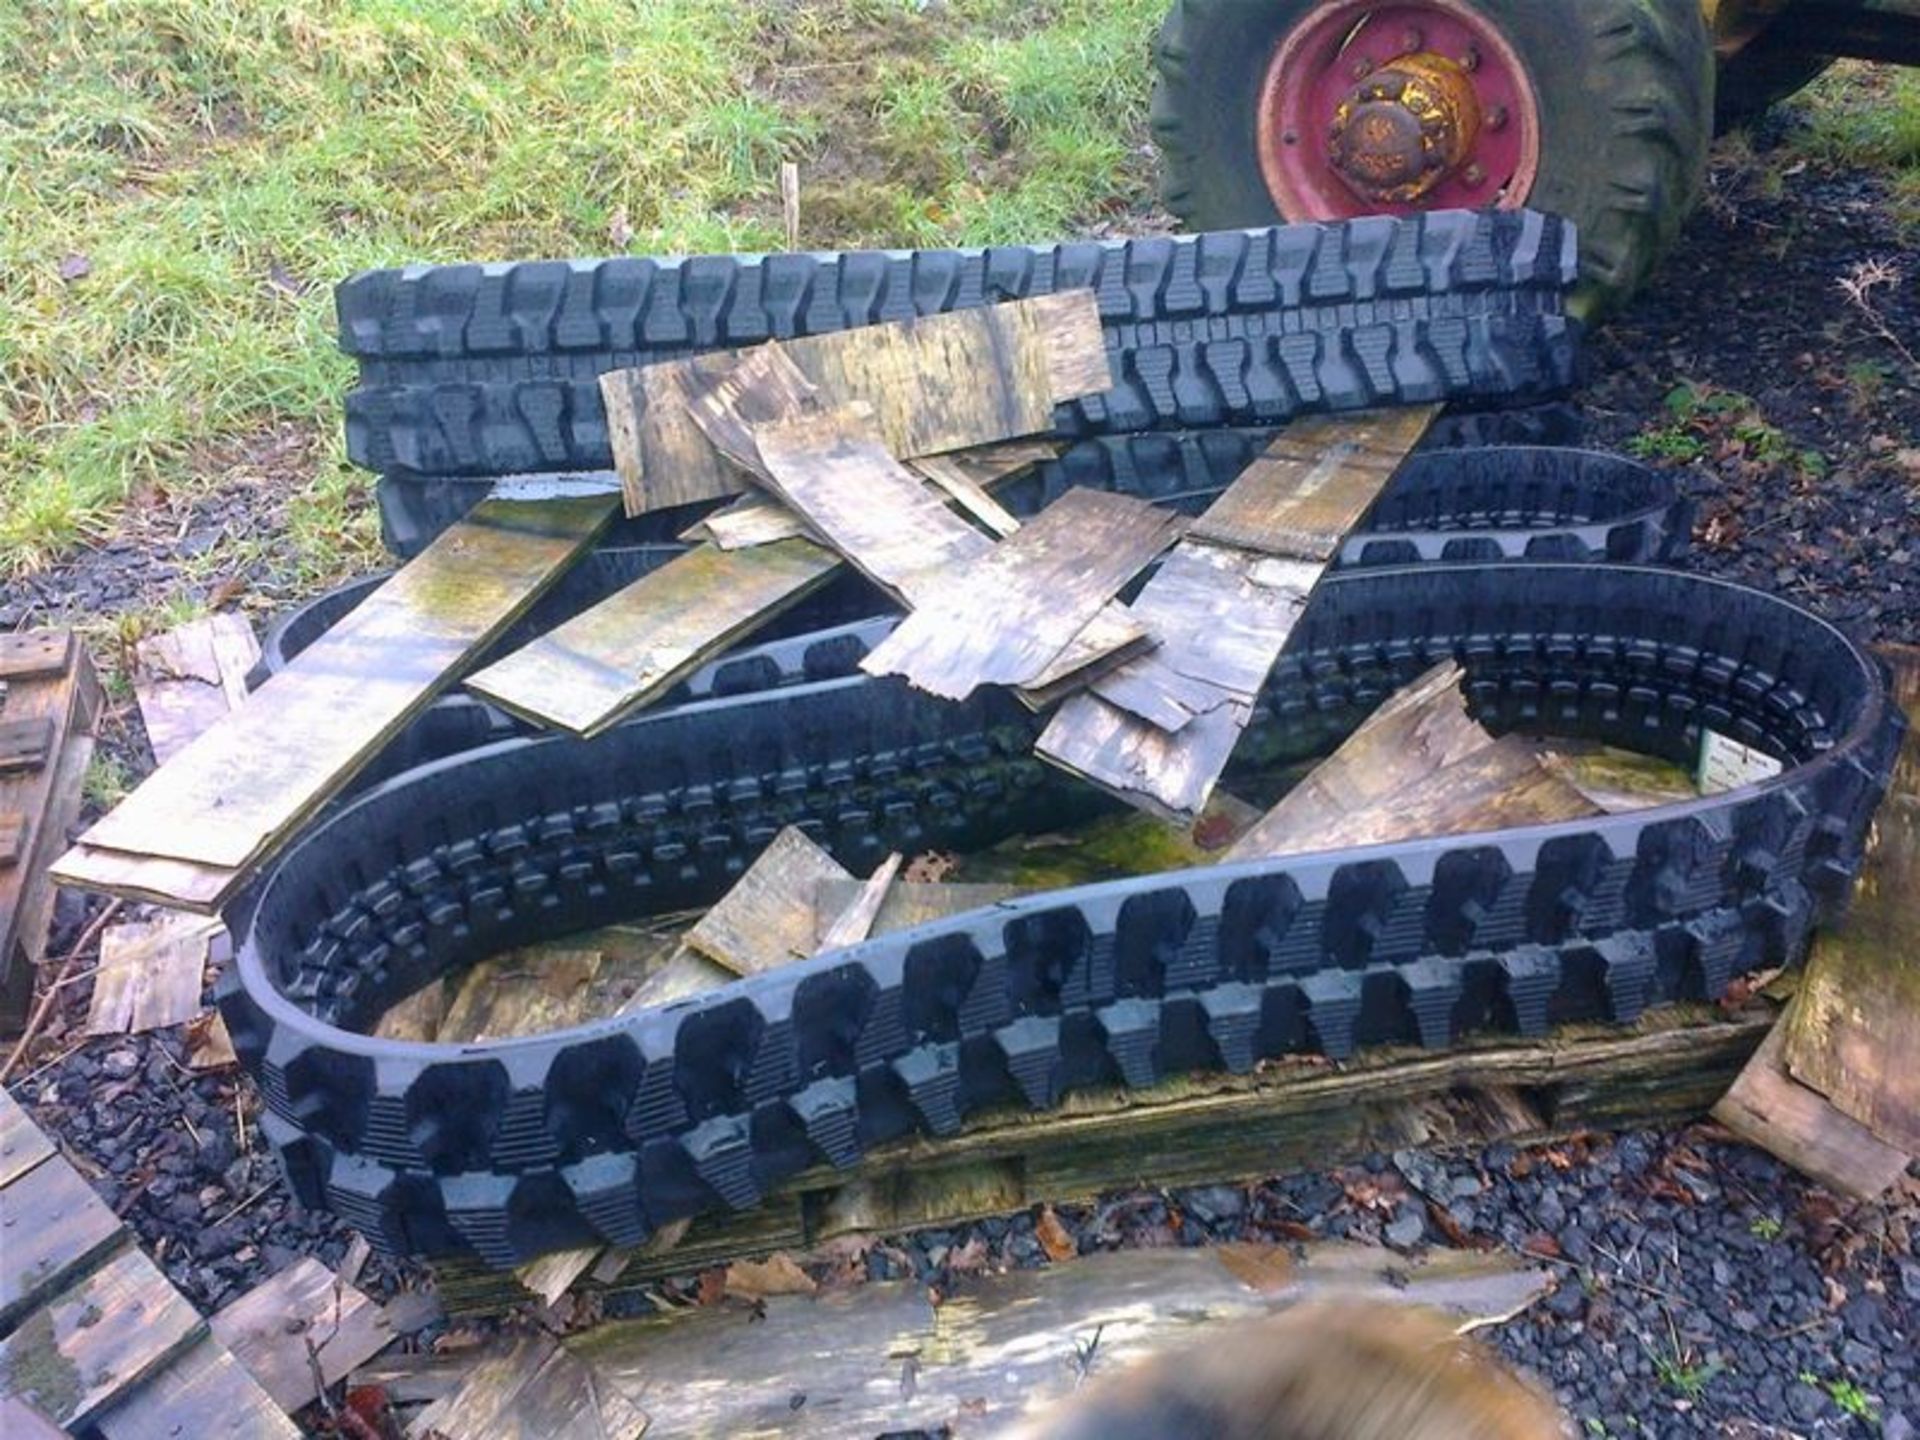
(1727, 764)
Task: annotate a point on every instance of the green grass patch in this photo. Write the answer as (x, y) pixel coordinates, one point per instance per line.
(1863, 117)
(182, 182)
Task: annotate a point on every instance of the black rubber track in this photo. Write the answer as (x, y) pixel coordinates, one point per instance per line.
(492, 370)
(416, 508)
(602, 1132)
(1444, 506)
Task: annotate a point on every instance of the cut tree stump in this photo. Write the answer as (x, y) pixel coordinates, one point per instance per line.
(937, 383)
(237, 792)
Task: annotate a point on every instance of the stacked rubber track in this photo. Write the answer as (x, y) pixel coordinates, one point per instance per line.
(604, 1132)
(492, 369)
(1443, 506)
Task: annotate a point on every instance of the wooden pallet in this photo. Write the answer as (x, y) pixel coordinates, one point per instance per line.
(1669, 1068)
(91, 1332)
(49, 700)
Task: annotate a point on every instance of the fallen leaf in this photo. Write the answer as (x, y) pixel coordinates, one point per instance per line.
(620, 231)
(1543, 1244)
(930, 868)
(1267, 1269)
(712, 1288)
(776, 1275)
(1053, 1236)
(970, 1258)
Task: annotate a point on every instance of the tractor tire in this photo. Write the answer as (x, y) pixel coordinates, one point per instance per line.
(1624, 92)
(1758, 76)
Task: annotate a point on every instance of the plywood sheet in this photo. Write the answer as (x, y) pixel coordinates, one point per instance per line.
(767, 919)
(232, 794)
(1006, 618)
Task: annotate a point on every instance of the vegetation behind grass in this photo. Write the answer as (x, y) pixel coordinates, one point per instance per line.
(183, 181)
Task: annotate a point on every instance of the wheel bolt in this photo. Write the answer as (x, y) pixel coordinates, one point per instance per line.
(1362, 68)
(1497, 117)
(1473, 175)
(1471, 60)
(1412, 41)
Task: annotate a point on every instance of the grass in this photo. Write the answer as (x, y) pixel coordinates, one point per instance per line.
(183, 181)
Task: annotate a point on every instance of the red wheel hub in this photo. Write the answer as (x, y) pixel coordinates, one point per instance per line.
(1371, 109)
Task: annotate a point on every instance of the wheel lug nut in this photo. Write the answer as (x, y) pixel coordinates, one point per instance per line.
(1412, 41)
(1362, 68)
(1497, 117)
(1474, 175)
(1471, 60)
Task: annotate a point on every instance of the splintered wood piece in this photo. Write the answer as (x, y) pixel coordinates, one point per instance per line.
(1854, 1032)
(535, 1391)
(767, 918)
(639, 642)
(35, 654)
(54, 1228)
(25, 743)
(271, 1327)
(966, 492)
(855, 922)
(205, 1394)
(750, 520)
(1221, 617)
(23, 1144)
(938, 383)
(1159, 730)
(209, 1046)
(551, 1276)
(188, 678)
(1767, 1107)
(239, 789)
(94, 1343)
(1006, 619)
(907, 903)
(1420, 765)
(836, 472)
(1314, 483)
(150, 974)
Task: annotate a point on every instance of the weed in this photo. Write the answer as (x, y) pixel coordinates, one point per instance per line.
(1846, 1395)
(1687, 1380)
(1766, 1227)
(106, 783)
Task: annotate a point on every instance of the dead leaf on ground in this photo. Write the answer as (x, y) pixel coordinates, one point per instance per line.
(1267, 1269)
(775, 1275)
(970, 1258)
(929, 869)
(1054, 1237)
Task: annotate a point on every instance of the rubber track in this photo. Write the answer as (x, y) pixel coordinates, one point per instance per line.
(606, 1131)
(1443, 506)
(492, 370)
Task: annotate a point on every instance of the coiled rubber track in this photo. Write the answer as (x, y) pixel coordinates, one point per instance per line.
(493, 369)
(604, 1132)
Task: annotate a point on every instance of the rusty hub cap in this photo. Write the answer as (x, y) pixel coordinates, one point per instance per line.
(1372, 108)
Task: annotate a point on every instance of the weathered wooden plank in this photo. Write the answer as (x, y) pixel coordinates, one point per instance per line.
(14, 830)
(767, 919)
(21, 1421)
(1006, 618)
(1767, 1107)
(205, 1394)
(150, 974)
(835, 471)
(939, 383)
(34, 911)
(23, 1144)
(881, 1359)
(535, 1391)
(1158, 731)
(1854, 1033)
(906, 904)
(1420, 765)
(1313, 484)
(232, 794)
(855, 922)
(153, 879)
(302, 1316)
(53, 1229)
(35, 654)
(186, 679)
(969, 494)
(94, 1343)
(26, 743)
(596, 668)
